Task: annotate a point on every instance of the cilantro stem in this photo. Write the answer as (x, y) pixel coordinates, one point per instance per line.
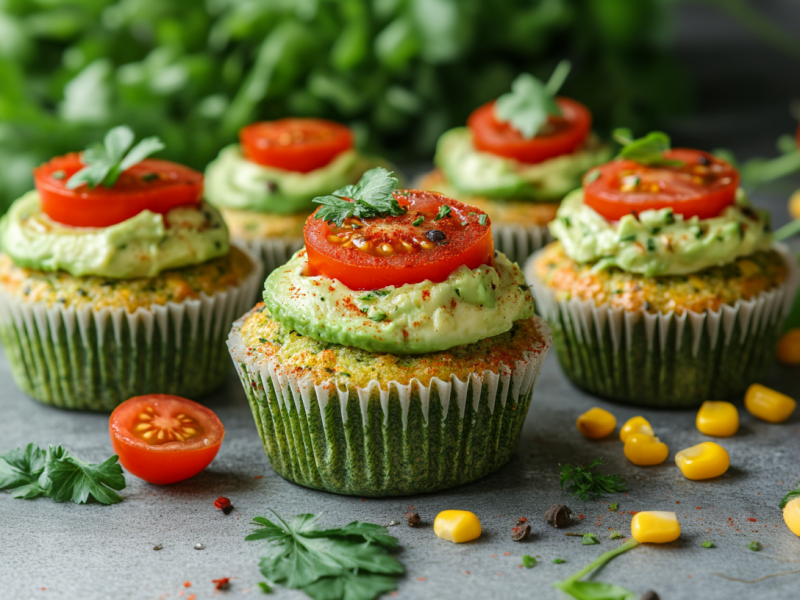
(603, 559)
(790, 229)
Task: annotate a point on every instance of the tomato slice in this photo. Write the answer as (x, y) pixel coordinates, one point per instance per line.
(295, 144)
(703, 187)
(153, 184)
(561, 135)
(372, 253)
(163, 439)
(798, 136)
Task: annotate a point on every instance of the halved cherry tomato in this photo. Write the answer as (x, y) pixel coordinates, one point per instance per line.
(163, 439)
(561, 135)
(702, 187)
(295, 144)
(372, 253)
(155, 185)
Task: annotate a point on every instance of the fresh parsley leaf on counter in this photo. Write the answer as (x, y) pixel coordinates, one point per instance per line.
(595, 590)
(530, 103)
(648, 150)
(580, 481)
(105, 162)
(371, 197)
(795, 493)
(350, 562)
(32, 472)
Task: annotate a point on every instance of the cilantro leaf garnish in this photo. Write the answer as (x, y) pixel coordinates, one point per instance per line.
(105, 162)
(584, 590)
(59, 475)
(586, 484)
(349, 562)
(371, 197)
(444, 211)
(795, 493)
(530, 102)
(648, 150)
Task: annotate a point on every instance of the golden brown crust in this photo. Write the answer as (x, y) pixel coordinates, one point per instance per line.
(709, 289)
(252, 226)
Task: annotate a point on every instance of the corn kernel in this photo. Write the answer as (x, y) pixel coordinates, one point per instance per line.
(645, 450)
(794, 205)
(768, 405)
(717, 418)
(635, 425)
(791, 515)
(789, 347)
(703, 461)
(596, 423)
(655, 527)
(457, 526)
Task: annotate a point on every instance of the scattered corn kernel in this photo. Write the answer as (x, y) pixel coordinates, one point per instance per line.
(703, 461)
(789, 347)
(635, 425)
(645, 450)
(791, 514)
(655, 527)
(768, 405)
(457, 526)
(596, 423)
(794, 205)
(717, 418)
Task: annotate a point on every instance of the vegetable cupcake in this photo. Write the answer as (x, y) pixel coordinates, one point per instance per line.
(395, 354)
(265, 185)
(117, 280)
(664, 287)
(517, 158)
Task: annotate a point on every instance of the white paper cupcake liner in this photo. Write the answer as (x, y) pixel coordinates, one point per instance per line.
(665, 359)
(388, 438)
(272, 252)
(518, 242)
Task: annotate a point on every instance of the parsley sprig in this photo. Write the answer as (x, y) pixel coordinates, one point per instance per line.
(372, 196)
(350, 562)
(530, 103)
(648, 150)
(31, 472)
(583, 590)
(795, 493)
(580, 481)
(107, 161)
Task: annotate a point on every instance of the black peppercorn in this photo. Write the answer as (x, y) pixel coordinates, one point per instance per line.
(703, 160)
(558, 515)
(435, 235)
(650, 595)
(272, 187)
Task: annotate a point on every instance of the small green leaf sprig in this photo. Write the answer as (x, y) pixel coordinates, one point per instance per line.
(595, 590)
(584, 483)
(648, 150)
(372, 196)
(795, 493)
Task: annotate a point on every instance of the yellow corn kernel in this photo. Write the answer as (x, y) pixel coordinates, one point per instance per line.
(596, 423)
(717, 418)
(794, 205)
(457, 526)
(655, 527)
(768, 405)
(791, 515)
(645, 450)
(789, 347)
(703, 461)
(635, 425)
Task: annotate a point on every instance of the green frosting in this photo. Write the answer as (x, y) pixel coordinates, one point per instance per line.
(660, 242)
(472, 171)
(142, 246)
(470, 305)
(232, 181)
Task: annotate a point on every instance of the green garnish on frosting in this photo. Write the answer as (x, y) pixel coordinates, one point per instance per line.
(648, 150)
(107, 161)
(372, 196)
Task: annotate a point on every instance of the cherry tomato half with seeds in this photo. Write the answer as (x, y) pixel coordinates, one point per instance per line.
(295, 144)
(372, 253)
(164, 439)
(560, 135)
(153, 184)
(703, 186)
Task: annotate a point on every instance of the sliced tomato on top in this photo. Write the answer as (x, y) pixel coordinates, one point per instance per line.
(164, 439)
(561, 135)
(372, 253)
(153, 184)
(703, 186)
(295, 144)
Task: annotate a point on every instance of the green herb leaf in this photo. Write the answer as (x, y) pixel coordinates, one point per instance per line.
(592, 590)
(648, 151)
(58, 174)
(530, 103)
(528, 561)
(616, 535)
(377, 316)
(418, 221)
(755, 546)
(559, 561)
(613, 506)
(444, 211)
(265, 587)
(72, 479)
(482, 219)
(20, 471)
(585, 484)
(372, 196)
(589, 539)
(708, 544)
(795, 493)
(105, 162)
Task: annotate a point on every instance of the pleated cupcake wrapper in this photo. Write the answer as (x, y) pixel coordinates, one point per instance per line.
(86, 359)
(272, 252)
(387, 438)
(665, 359)
(518, 242)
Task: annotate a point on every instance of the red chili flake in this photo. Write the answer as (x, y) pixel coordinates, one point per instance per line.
(221, 584)
(420, 579)
(506, 553)
(730, 519)
(581, 517)
(187, 584)
(698, 508)
(221, 502)
(751, 519)
(677, 501)
(258, 477)
(466, 572)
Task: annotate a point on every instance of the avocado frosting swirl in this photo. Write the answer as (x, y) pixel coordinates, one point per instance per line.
(470, 305)
(660, 242)
(142, 246)
(232, 181)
